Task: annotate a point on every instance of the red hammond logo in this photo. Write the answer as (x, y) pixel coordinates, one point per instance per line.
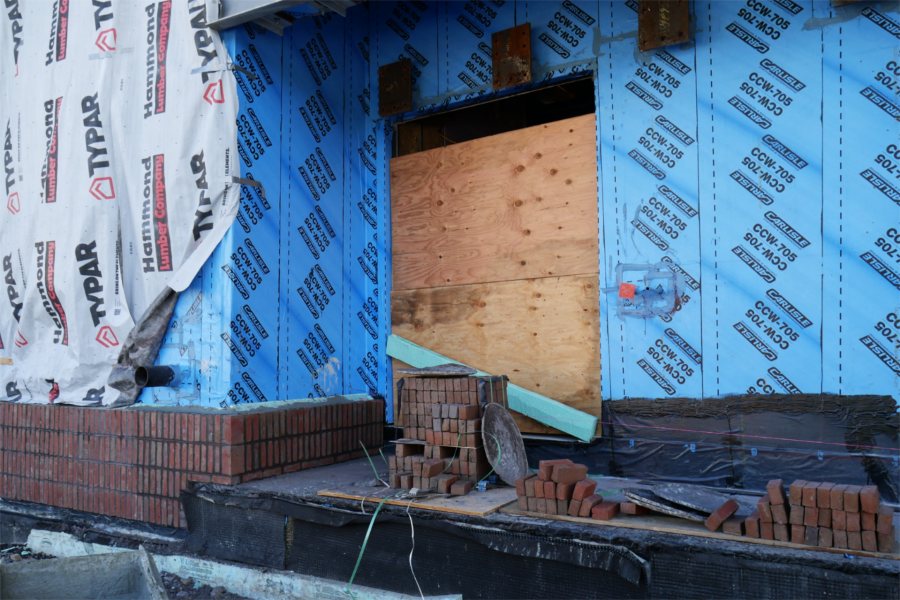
(214, 93)
(20, 342)
(12, 203)
(102, 188)
(106, 40)
(59, 32)
(51, 158)
(106, 337)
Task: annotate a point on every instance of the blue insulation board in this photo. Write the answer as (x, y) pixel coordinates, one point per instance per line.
(759, 163)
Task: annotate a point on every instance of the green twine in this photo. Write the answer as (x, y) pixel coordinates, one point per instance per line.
(362, 549)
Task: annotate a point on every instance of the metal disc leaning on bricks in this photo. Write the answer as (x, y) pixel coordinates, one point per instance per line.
(503, 444)
(648, 499)
(696, 497)
(445, 370)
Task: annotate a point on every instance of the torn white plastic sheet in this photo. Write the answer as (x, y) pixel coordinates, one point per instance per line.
(118, 125)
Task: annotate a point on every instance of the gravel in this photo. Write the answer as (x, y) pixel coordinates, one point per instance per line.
(185, 588)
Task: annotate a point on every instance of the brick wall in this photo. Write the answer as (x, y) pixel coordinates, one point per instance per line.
(133, 463)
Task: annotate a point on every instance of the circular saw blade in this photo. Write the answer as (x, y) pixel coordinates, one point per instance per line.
(503, 444)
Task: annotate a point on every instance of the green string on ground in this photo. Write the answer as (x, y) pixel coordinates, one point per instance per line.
(362, 549)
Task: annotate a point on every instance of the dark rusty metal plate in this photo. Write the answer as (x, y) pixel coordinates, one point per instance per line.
(648, 499)
(663, 23)
(511, 56)
(503, 444)
(395, 88)
(697, 497)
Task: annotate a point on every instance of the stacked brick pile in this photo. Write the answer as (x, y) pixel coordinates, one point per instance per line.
(133, 463)
(826, 515)
(561, 487)
(441, 418)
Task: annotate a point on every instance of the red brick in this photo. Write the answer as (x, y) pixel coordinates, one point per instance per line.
(811, 516)
(868, 521)
(869, 499)
(432, 467)
(564, 491)
(630, 508)
(779, 514)
(781, 532)
(574, 508)
(530, 486)
(765, 510)
(460, 488)
(885, 542)
(826, 537)
(522, 503)
(798, 534)
(795, 516)
(733, 526)
(812, 536)
(520, 485)
(869, 541)
(884, 520)
(838, 519)
(810, 493)
(445, 483)
(549, 490)
(583, 489)
(854, 540)
(569, 473)
(604, 511)
(795, 492)
(823, 495)
(539, 488)
(588, 504)
(551, 505)
(836, 496)
(840, 539)
(853, 522)
(851, 499)
(728, 508)
(532, 504)
(545, 467)
(824, 517)
(775, 491)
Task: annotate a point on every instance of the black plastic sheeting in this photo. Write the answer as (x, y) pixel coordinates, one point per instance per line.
(744, 441)
(502, 556)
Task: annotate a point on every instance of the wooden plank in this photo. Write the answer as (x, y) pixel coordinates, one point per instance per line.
(671, 525)
(517, 205)
(476, 504)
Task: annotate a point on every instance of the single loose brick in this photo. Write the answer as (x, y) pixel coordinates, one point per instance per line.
(545, 467)
(868, 521)
(826, 537)
(460, 488)
(574, 508)
(604, 511)
(840, 539)
(432, 467)
(854, 540)
(588, 504)
(823, 495)
(775, 491)
(796, 515)
(812, 536)
(869, 541)
(810, 492)
(884, 520)
(853, 522)
(781, 532)
(837, 497)
(885, 542)
(869, 499)
(851, 498)
(779, 514)
(529, 486)
(728, 508)
(630, 508)
(767, 530)
(798, 534)
(733, 526)
(824, 517)
(569, 473)
(765, 510)
(583, 489)
(549, 490)
(795, 492)
(520, 485)
(564, 491)
(838, 520)
(751, 525)
(811, 516)
(445, 483)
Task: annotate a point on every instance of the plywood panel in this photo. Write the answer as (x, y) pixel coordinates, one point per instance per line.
(518, 205)
(542, 333)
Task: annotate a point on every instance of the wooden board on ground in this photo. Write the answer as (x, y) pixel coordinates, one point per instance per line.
(544, 334)
(663, 524)
(517, 205)
(476, 504)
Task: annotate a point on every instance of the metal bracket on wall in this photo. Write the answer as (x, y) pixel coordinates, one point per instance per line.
(646, 290)
(511, 56)
(663, 23)
(395, 88)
